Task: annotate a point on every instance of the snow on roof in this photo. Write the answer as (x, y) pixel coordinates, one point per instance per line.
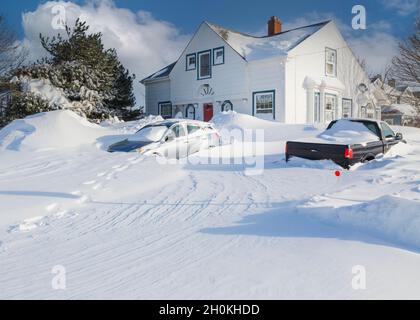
(399, 89)
(413, 86)
(257, 48)
(325, 82)
(405, 109)
(164, 72)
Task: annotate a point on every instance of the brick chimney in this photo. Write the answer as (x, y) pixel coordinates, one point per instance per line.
(274, 26)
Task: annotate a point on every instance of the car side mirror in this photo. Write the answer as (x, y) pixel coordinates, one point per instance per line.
(399, 136)
(169, 138)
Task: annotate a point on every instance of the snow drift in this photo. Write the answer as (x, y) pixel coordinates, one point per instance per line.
(50, 130)
(273, 131)
(391, 218)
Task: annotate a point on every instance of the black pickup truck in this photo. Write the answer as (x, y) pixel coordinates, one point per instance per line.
(344, 154)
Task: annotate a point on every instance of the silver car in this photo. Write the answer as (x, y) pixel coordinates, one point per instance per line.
(176, 138)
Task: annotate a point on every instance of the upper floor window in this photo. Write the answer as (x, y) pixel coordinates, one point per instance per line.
(204, 65)
(191, 62)
(218, 56)
(331, 62)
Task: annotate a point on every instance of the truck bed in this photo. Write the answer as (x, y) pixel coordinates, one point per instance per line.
(318, 151)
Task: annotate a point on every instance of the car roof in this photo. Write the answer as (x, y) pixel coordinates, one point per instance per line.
(360, 120)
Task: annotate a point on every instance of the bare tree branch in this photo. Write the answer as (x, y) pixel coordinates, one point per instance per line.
(12, 54)
(406, 66)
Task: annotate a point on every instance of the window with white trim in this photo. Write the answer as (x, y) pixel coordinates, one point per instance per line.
(165, 109)
(204, 65)
(191, 62)
(331, 62)
(370, 111)
(330, 107)
(347, 108)
(219, 56)
(264, 102)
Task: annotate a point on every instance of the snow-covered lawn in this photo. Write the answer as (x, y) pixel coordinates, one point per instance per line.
(126, 226)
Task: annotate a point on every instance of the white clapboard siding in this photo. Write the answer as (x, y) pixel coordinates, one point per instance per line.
(157, 91)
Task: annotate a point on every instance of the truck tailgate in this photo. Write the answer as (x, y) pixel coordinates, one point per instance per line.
(316, 151)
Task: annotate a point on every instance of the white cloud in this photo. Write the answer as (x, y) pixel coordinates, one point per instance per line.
(144, 44)
(402, 7)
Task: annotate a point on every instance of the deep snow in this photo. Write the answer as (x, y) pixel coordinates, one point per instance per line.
(126, 226)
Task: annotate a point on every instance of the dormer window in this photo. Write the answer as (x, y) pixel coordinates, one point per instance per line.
(331, 62)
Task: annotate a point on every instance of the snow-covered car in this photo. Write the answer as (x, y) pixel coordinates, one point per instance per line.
(173, 138)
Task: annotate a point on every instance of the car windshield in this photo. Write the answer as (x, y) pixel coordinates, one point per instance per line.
(149, 134)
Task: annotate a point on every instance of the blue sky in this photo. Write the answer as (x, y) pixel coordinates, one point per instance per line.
(150, 34)
(244, 15)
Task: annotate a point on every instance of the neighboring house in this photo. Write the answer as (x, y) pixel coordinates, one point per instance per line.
(5, 101)
(304, 75)
(399, 102)
(414, 89)
(394, 92)
(401, 115)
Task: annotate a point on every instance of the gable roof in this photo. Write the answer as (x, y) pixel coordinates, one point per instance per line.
(257, 48)
(162, 73)
(253, 47)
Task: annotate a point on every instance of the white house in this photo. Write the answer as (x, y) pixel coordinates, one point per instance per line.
(303, 75)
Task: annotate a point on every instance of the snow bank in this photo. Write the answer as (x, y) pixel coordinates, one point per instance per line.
(391, 218)
(234, 120)
(50, 130)
(273, 131)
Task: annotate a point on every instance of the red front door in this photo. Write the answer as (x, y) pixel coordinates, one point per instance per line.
(208, 112)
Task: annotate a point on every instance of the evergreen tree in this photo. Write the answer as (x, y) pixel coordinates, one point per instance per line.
(124, 98)
(23, 105)
(90, 77)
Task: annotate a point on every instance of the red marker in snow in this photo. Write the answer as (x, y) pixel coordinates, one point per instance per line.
(337, 173)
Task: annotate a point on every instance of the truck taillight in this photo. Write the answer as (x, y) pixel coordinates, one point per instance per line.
(286, 148)
(348, 153)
